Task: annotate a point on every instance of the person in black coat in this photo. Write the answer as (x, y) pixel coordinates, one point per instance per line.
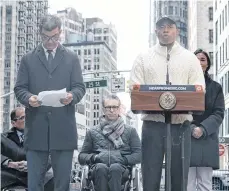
(13, 155)
(205, 130)
(50, 128)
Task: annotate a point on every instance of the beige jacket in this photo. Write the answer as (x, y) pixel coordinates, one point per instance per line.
(150, 67)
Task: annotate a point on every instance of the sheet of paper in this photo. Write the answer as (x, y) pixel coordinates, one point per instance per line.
(52, 98)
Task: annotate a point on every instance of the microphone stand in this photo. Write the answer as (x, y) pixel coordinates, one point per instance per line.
(168, 142)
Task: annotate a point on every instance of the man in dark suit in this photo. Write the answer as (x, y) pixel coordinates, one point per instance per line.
(50, 130)
(13, 155)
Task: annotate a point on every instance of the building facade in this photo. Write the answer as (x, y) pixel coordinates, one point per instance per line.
(221, 53)
(221, 64)
(19, 29)
(72, 26)
(96, 47)
(200, 27)
(94, 56)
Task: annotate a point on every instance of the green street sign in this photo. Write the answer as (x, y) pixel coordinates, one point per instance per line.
(96, 84)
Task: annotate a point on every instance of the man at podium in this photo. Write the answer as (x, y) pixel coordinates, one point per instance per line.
(165, 63)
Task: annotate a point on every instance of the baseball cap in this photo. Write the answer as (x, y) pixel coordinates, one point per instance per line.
(166, 19)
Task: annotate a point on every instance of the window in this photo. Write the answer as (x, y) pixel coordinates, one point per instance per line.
(216, 62)
(211, 57)
(220, 56)
(165, 11)
(227, 82)
(223, 20)
(226, 45)
(226, 120)
(176, 11)
(216, 33)
(170, 10)
(226, 15)
(7, 64)
(98, 30)
(220, 25)
(223, 54)
(210, 13)
(222, 83)
(210, 36)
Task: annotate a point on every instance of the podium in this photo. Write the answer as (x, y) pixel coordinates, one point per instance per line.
(168, 100)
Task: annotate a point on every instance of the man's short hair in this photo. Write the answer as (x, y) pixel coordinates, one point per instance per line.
(50, 22)
(13, 113)
(109, 97)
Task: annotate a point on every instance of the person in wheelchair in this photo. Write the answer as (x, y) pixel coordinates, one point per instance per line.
(13, 155)
(110, 148)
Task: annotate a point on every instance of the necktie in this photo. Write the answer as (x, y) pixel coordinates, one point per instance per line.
(22, 139)
(50, 59)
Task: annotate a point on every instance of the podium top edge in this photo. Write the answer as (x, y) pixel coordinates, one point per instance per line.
(189, 88)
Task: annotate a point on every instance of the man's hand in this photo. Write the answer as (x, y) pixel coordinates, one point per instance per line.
(67, 100)
(21, 165)
(197, 132)
(33, 101)
(14, 165)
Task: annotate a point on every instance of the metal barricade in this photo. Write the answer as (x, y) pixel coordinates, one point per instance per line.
(220, 180)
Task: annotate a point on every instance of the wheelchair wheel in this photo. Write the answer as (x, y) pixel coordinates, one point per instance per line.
(127, 186)
(86, 183)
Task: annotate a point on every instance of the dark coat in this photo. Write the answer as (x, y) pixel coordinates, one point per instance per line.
(205, 151)
(96, 143)
(48, 128)
(12, 149)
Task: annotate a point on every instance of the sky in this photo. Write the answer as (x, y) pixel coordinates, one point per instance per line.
(131, 20)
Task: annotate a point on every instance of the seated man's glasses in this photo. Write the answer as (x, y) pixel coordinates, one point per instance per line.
(113, 107)
(19, 118)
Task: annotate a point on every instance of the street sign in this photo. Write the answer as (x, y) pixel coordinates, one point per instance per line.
(96, 84)
(224, 139)
(221, 150)
(117, 85)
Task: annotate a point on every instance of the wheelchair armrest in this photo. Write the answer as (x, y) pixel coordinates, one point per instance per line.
(134, 171)
(85, 171)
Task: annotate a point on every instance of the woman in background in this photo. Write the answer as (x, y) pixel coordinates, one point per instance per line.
(205, 131)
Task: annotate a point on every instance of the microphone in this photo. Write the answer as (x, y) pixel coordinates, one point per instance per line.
(168, 57)
(186, 124)
(167, 72)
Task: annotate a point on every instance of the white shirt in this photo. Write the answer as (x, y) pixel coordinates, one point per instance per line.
(46, 52)
(20, 134)
(184, 69)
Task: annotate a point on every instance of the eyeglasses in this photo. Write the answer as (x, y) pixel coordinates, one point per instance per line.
(113, 107)
(19, 118)
(54, 38)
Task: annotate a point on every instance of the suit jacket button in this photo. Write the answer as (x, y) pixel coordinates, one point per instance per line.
(50, 76)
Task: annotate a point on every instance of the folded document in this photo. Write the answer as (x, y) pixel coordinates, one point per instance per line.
(52, 98)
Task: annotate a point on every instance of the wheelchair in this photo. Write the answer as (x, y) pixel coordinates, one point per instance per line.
(15, 188)
(131, 181)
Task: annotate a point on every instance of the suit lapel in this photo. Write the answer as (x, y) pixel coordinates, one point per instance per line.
(14, 137)
(41, 54)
